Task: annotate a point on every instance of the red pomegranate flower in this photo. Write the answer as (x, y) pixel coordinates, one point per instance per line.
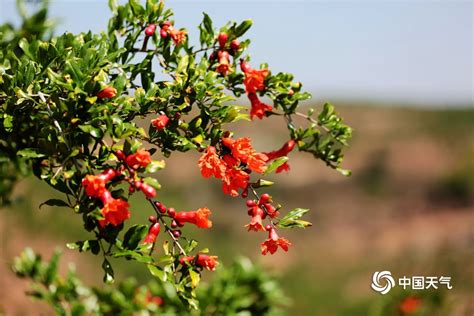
(210, 164)
(257, 162)
(234, 180)
(273, 242)
(160, 122)
(257, 216)
(259, 109)
(201, 260)
(242, 150)
(198, 218)
(178, 36)
(107, 93)
(95, 185)
(254, 79)
(115, 212)
(141, 158)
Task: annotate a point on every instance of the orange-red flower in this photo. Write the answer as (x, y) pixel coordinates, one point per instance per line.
(234, 180)
(115, 212)
(198, 218)
(259, 109)
(95, 185)
(224, 63)
(160, 122)
(257, 162)
(410, 305)
(107, 93)
(201, 260)
(257, 216)
(178, 36)
(273, 242)
(254, 78)
(210, 164)
(141, 158)
(242, 150)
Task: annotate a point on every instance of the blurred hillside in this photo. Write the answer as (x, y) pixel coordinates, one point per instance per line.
(407, 208)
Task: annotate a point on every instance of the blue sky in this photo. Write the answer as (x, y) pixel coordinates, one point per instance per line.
(394, 51)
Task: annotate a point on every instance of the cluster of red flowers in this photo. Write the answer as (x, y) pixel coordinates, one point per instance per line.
(258, 214)
(224, 52)
(178, 36)
(233, 165)
(200, 218)
(115, 211)
(259, 210)
(167, 29)
(255, 81)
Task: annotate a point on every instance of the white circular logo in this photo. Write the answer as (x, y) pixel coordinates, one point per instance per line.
(382, 282)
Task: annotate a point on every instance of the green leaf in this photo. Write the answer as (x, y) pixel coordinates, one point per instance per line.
(155, 166)
(153, 182)
(157, 272)
(93, 131)
(133, 236)
(55, 202)
(195, 278)
(243, 27)
(29, 153)
(292, 220)
(207, 23)
(294, 223)
(52, 268)
(275, 164)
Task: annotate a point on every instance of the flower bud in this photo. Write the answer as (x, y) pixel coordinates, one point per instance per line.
(163, 33)
(251, 203)
(222, 38)
(119, 154)
(171, 212)
(264, 198)
(245, 66)
(235, 45)
(150, 30)
(152, 219)
(153, 232)
(149, 191)
(176, 233)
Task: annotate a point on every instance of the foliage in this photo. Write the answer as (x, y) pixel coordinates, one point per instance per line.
(72, 108)
(253, 292)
